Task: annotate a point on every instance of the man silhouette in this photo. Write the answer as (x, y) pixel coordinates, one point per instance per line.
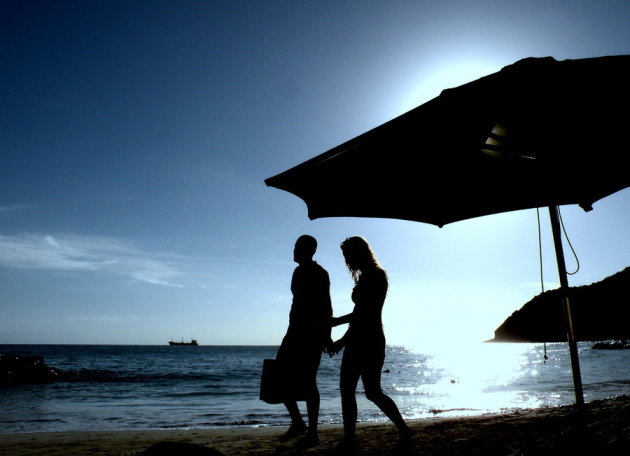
(307, 336)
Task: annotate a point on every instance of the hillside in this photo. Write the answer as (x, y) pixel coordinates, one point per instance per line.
(601, 311)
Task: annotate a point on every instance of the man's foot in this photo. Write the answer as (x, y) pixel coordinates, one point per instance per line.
(294, 431)
(310, 440)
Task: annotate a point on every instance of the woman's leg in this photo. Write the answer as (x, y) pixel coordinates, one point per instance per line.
(348, 380)
(372, 383)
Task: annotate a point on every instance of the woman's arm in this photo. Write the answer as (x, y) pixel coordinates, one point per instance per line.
(336, 321)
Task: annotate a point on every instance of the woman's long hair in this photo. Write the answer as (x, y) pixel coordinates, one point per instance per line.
(359, 256)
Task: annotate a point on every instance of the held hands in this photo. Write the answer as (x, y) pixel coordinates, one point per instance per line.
(335, 347)
(328, 347)
(332, 348)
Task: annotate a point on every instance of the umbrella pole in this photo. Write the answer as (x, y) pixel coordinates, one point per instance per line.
(564, 290)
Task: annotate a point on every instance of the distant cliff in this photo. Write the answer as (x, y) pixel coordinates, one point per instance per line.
(601, 311)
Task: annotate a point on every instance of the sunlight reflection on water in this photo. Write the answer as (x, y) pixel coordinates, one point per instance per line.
(477, 378)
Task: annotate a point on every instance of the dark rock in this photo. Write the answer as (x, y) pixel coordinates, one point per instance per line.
(601, 311)
(612, 345)
(16, 369)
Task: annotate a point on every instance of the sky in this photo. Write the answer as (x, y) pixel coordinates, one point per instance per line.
(136, 137)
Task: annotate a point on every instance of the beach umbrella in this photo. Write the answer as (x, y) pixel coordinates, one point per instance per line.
(538, 133)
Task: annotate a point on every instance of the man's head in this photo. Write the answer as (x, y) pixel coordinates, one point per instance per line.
(305, 248)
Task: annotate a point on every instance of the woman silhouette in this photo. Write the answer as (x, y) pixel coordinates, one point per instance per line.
(364, 341)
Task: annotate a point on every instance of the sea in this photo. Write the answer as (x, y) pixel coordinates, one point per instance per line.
(131, 387)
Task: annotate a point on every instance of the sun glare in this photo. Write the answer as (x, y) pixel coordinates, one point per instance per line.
(479, 374)
(431, 82)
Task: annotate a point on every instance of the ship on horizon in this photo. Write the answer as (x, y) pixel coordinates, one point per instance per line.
(192, 342)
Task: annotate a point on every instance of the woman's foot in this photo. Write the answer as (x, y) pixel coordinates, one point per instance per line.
(405, 434)
(294, 431)
(404, 440)
(346, 447)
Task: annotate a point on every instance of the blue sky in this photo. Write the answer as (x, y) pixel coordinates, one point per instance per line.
(136, 137)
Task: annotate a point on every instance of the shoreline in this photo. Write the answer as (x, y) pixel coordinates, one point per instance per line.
(601, 428)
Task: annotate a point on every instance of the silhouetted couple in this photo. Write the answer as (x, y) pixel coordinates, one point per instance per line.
(308, 335)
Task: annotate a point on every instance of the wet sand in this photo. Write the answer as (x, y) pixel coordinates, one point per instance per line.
(601, 428)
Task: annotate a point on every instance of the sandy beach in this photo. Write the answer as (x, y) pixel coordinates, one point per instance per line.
(601, 428)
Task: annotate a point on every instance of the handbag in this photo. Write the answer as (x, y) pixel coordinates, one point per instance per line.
(271, 382)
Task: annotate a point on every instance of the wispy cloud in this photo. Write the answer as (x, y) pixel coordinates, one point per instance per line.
(101, 319)
(15, 207)
(88, 254)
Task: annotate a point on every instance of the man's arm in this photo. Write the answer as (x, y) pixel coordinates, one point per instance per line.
(325, 312)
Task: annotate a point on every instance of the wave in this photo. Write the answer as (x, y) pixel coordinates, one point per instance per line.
(106, 376)
(33, 421)
(235, 423)
(212, 424)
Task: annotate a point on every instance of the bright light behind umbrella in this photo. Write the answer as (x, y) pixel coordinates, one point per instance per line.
(429, 82)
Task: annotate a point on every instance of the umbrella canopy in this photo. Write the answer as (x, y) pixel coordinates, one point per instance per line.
(537, 133)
